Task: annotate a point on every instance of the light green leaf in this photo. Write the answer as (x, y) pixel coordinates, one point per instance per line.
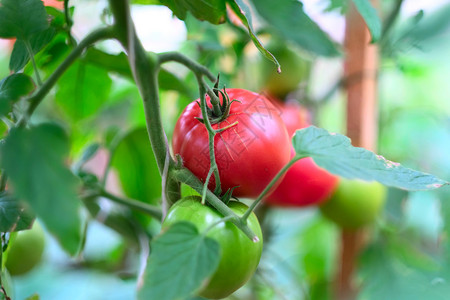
(335, 153)
(180, 261)
(83, 90)
(136, 166)
(370, 16)
(22, 18)
(287, 19)
(34, 161)
(14, 216)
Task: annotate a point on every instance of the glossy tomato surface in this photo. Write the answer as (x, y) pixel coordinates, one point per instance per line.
(248, 154)
(239, 255)
(355, 203)
(305, 183)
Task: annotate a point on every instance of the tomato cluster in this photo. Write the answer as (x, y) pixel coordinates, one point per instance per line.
(239, 255)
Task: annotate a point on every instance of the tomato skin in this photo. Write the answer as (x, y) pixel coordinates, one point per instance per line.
(26, 250)
(305, 183)
(355, 203)
(240, 256)
(248, 155)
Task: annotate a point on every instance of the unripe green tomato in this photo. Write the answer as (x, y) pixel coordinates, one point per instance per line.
(26, 250)
(355, 203)
(295, 69)
(239, 255)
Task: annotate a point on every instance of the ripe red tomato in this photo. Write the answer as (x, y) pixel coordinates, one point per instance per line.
(305, 183)
(239, 255)
(248, 154)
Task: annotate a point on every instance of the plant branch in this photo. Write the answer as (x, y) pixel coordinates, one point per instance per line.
(187, 62)
(269, 186)
(69, 23)
(145, 69)
(185, 176)
(148, 209)
(36, 99)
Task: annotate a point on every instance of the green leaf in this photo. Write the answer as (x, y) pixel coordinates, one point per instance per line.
(242, 10)
(180, 262)
(119, 64)
(83, 90)
(335, 153)
(146, 2)
(136, 166)
(287, 19)
(34, 161)
(213, 11)
(14, 216)
(12, 88)
(22, 18)
(370, 16)
(33, 297)
(20, 56)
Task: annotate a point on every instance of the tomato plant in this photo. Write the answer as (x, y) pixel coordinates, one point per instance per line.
(249, 153)
(305, 183)
(355, 203)
(239, 255)
(26, 251)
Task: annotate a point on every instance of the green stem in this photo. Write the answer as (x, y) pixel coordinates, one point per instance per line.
(269, 186)
(3, 180)
(69, 23)
(148, 209)
(211, 135)
(31, 54)
(198, 70)
(145, 69)
(36, 99)
(185, 176)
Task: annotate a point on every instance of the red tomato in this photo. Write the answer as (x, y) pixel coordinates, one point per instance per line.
(305, 183)
(248, 154)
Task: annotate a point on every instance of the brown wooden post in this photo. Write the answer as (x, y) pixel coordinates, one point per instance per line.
(361, 85)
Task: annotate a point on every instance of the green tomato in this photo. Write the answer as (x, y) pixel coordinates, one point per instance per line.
(355, 203)
(295, 69)
(239, 255)
(26, 250)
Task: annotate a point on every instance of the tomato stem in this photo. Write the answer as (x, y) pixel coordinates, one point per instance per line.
(148, 209)
(186, 176)
(270, 185)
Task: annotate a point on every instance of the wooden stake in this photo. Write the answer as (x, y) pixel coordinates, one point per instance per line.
(361, 86)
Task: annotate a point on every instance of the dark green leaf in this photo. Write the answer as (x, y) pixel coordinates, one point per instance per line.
(180, 262)
(429, 26)
(370, 16)
(14, 216)
(340, 5)
(22, 18)
(12, 88)
(287, 19)
(82, 90)
(244, 13)
(213, 11)
(34, 161)
(335, 153)
(119, 64)
(20, 55)
(136, 166)
(7, 283)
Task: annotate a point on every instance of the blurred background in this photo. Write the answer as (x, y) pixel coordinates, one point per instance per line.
(408, 257)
